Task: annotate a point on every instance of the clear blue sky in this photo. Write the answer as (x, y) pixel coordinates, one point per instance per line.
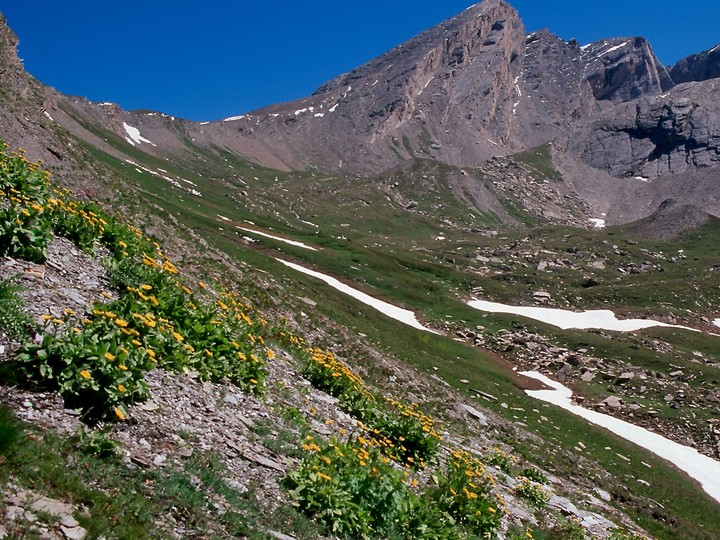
(217, 58)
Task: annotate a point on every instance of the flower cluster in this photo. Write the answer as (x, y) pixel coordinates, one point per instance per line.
(97, 360)
(401, 431)
(356, 490)
(465, 492)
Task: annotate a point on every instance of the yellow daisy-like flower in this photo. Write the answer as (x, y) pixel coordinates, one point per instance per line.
(202, 284)
(119, 413)
(270, 354)
(121, 388)
(85, 374)
(121, 323)
(110, 357)
(177, 336)
(146, 287)
(122, 367)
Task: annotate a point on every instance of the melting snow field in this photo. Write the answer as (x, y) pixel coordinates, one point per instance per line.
(134, 136)
(702, 468)
(266, 235)
(403, 315)
(717, 322)
(601, 319)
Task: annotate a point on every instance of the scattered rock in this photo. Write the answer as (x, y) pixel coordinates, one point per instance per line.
(613, 402)
(52, 507)
(474, 413)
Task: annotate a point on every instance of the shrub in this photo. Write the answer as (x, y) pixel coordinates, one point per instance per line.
(13, 317)
(532, 492)
(464, 492)
(354, 491)
(534, 475)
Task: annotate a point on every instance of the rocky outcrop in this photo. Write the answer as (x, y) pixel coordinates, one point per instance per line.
(697, 67)
(656, 137)
(670, 221)
(624, 69)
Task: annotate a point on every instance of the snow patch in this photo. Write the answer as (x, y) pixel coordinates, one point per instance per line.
(702, 468)
(716, 322)
(48, 115)
(223, 218)
(426, 85)
(715, 48)
(601, 319)
(613, 49)
(266, 235)
(405, 316)
(334, 107)
(234, 118)
(642, 178)
(134, 136)
(599, 223)
(319, 115)
(172, 181)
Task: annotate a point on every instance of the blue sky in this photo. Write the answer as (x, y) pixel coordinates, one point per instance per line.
(218, 58)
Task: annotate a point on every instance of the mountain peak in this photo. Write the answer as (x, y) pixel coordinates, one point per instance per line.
(623, 69)
(698, 67)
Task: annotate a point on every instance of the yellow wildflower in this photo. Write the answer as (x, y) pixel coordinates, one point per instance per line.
(121, 388)
(119, 413)
(122, 367)
(109, 356)
(85, 374)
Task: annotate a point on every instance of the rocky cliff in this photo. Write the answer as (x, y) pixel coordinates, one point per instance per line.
(624, 69)
(697, 67)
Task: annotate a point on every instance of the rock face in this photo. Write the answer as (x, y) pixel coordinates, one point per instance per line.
(470, 88)
(658, 136)
(624, 69)
(697, 67)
